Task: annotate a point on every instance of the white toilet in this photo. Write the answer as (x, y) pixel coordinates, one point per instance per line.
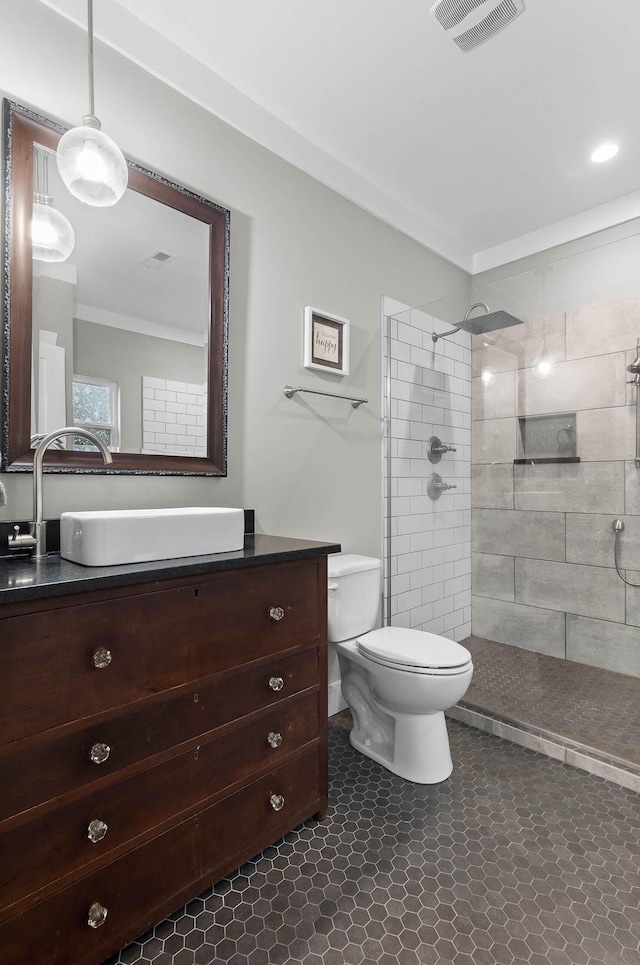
(396, 682)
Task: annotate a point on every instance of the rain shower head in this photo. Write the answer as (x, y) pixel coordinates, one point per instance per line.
(489, 322)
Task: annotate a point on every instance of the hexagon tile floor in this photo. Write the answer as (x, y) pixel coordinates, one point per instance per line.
(516, 859)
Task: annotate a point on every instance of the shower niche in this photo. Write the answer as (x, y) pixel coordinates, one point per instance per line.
(548, 438)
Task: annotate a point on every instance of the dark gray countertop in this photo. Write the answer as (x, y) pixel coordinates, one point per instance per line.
(24, 579)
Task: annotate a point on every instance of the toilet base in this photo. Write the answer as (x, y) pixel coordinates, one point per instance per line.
(417, 750)
(413, 746)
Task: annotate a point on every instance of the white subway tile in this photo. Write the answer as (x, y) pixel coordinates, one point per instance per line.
(421, 541)
(406, 372)
(413, 336)
(151, 383)
(421, 614)
(408, 562)
(421, 578)
(408, 486)
(433, 592)
(401, 506)
(408, 601)
(401, 351)
(408, 448)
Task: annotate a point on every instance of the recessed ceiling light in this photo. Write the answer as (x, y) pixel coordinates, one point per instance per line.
(604, 153)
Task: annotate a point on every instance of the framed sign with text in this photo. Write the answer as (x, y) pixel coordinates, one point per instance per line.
(326, 342)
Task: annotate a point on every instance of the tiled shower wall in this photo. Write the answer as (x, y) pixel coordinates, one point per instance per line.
(174, 417)
(430, 394)
(543, 545)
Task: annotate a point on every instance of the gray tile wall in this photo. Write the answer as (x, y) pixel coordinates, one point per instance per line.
(543, 575)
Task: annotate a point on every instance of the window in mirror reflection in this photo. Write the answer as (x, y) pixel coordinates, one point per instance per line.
(96, 406)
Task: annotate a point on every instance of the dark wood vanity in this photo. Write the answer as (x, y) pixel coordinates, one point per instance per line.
(154, 735)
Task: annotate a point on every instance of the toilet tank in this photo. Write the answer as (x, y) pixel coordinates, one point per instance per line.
(354, 595)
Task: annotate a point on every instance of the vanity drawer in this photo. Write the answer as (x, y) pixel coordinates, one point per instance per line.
(51, 768)
(51, 659)
(54, 845)
(140, 888)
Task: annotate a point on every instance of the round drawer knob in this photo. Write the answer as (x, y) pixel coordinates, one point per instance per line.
(96, 830)
(276, 683)
(277, 802)
(101, 658)
(274, 739)
(97, 915)
(276, 613)
(100, 753)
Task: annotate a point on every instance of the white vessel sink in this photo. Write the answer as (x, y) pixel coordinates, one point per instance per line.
(109, 537)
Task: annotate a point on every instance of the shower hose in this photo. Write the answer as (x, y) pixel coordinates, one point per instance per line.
(618, 526)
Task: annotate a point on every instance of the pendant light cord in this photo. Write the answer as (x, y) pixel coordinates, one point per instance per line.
(92, 111)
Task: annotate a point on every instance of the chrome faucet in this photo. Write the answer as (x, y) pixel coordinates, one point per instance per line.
(36, 540)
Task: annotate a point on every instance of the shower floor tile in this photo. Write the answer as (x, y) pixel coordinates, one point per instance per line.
(515, 859)
(581, 705)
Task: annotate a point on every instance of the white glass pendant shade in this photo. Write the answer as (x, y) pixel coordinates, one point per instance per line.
(52, 236)
(92, 165)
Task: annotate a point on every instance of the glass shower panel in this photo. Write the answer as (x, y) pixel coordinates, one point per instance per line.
(553, 454)
(427, 540)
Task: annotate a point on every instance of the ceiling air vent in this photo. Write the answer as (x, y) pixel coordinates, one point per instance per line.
(158, 259)
(468, 23)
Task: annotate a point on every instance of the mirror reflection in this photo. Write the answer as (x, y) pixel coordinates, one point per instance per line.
(119, 327)
(117, 316)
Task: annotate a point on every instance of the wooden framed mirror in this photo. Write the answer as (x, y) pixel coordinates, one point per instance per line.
(128, 335)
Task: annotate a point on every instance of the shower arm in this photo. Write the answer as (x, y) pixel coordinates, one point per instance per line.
(445, 334)
(458, 327)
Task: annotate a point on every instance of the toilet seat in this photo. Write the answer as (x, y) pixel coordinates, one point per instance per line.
(414, 651)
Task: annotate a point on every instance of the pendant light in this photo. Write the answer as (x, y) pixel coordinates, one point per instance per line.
(92, 165)
(52, 236)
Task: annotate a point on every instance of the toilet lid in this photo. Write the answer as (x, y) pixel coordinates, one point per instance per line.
(344, 564)
(412, 648)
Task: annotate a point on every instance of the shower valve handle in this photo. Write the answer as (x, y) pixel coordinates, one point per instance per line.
(436, 449)
(436, 486)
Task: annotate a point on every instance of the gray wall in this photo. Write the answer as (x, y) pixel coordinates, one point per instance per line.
(543, 547)
(309, 466)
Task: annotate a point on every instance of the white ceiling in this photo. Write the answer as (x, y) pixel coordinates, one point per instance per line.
(483, 156)
(114, 287)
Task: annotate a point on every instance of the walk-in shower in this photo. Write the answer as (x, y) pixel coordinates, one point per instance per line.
(479, 324)
(520, 554)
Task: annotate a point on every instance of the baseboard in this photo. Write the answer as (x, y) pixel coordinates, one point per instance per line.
(336, 700)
